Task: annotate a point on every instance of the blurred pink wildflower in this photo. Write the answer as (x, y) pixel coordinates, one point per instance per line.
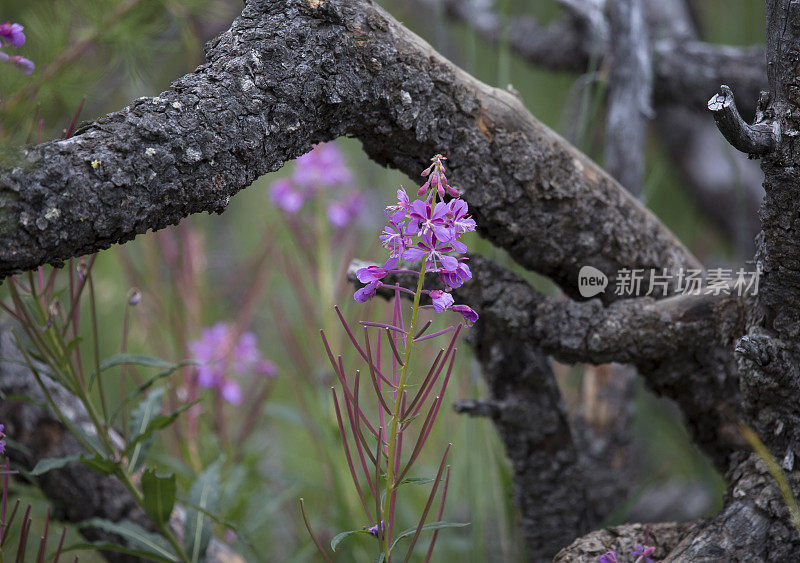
(322, 167)
(11, 34)
(221, 360)
(320, 171)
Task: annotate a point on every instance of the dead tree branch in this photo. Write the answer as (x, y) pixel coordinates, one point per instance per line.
(272, 87)
(629, 95)
(754, 140)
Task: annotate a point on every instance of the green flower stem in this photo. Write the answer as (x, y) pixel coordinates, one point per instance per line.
(324, 268)
(95, 336)
(390, 485)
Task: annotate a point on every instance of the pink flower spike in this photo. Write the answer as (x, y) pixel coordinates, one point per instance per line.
(441, 300)
(469, 315)
(12, 34)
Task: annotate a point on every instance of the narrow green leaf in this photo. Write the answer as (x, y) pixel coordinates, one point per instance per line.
(417, 480)
(50, 463)
(217, 520)
(159, 495)
(128, 360)
(99, 464)
(427, 527)
(337, 539)
(150, 382)
(380, 558)
(142, 539)
(108, 546)
(145, 422)
(133, 360)
(141, 417)
(197, 526)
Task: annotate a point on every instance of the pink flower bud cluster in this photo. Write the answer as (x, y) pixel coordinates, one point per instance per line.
(426, 229)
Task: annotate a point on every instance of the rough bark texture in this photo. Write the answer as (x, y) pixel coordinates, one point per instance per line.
(686, 71)
(273, 86)
(629, 96)
(623, 540)
(725, 184)
(291, 73)
(549, 470)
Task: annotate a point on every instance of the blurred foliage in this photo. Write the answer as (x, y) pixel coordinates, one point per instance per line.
(112, 51)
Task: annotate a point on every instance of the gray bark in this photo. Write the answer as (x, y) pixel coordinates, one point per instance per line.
(271, 88)
(630, 88)
(290, 73)
(725, 185)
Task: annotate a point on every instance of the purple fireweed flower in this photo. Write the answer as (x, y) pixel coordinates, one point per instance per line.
(25, 66)
(322, 167)
(395, 237)
(608, 557)
(375, 273)
(435, 251)
(283, 194)
(455, 278)
(371, 274)
(402, 202)
(219, 356)
(469, 315)
(11, 34)
(246, 354)
(642, 553)
(427, 218)
(2, 439)
(441, 300)
(341, 213)
(367, 292)
(458, 218)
